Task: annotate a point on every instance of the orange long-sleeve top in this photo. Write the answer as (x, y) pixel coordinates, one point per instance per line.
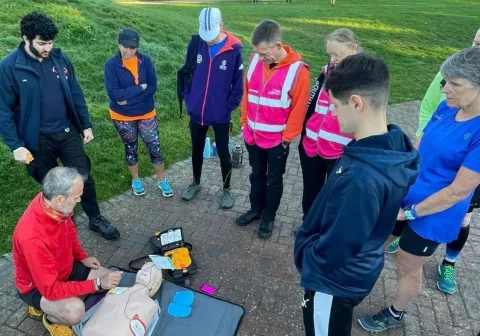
(299, 95)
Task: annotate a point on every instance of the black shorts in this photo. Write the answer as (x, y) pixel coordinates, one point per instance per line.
(79, 273)
(413, 243)
(475, 202)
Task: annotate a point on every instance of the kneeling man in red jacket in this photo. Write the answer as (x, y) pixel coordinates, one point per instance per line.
(52, 270)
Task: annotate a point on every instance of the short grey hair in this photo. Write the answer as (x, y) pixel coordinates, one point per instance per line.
(463, 64)
(59, 182)
(267, 31)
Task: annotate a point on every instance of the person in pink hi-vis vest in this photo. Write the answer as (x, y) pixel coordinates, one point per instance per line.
(322, 141)
(273, 111)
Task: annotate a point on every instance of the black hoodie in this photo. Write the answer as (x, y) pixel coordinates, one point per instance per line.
(339, 248)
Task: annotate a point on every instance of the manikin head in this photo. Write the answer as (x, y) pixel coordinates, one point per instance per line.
(151, 277)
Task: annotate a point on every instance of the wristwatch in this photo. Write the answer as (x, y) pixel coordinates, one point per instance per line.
(410, 212)
(99, 284)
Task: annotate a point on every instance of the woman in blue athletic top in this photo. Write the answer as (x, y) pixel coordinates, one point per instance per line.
(434, 208)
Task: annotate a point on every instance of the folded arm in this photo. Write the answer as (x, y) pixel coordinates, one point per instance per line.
(114, 91)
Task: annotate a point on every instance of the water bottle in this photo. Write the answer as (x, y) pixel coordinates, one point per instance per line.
(207, 149)
(229, 145)
(214, 149)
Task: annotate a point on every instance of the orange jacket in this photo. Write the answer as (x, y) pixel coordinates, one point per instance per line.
(299, 95)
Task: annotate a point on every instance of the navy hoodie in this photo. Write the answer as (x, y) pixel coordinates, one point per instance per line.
(339, 247)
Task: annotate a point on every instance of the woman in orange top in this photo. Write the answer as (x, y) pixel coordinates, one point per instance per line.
(131, 83)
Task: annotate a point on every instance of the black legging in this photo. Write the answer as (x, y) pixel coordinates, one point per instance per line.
(199, 134)
(315, 171)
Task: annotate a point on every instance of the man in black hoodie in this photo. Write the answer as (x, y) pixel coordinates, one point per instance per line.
(339, 247)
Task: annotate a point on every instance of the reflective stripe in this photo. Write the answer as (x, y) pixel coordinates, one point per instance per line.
(334, 137)
(265, 127)
(287, 85)
(266, 101)
(321, 109)
(311, 135)
(252, 66)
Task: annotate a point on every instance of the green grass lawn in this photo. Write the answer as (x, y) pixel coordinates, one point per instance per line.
(413, 37)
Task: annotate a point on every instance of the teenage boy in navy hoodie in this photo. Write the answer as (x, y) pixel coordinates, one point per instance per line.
(339, 247)
(217, 89)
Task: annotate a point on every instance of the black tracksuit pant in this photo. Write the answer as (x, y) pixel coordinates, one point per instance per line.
(266, 179)
(68, 147)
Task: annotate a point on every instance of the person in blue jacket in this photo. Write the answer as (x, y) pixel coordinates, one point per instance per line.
(131, 83)
(216, 91)
(339, 247)
(43, 113)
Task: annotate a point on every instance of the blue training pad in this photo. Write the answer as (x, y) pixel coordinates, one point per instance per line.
(177, 310)
(185, 298)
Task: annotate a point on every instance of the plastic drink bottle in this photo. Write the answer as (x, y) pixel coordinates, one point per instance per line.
(207, 149)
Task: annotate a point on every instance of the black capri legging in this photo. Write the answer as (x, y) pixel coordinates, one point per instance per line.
(148, 130)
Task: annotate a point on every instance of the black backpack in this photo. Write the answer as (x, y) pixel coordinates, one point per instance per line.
(185, 73)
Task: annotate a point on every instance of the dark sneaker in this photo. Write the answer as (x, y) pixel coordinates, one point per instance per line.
(380, 322)
(227, 199)
(191, 191)
(265, 230)
(248, 217)
(103, 226)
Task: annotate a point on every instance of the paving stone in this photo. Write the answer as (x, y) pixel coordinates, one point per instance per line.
(7, 331)
(260, 275)
(427, 319)
(17, 317)
(31, 327)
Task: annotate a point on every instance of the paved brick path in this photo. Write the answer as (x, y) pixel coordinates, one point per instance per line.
(259, 275)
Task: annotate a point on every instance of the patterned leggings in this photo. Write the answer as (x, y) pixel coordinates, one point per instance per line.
(148, 130)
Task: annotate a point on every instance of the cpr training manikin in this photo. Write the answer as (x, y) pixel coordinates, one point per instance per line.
(127, 310)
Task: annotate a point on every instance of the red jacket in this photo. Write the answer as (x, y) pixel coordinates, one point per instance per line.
(44, 250)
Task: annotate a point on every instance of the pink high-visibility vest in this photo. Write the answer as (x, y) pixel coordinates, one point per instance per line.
(323, 136)
(268, 103)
